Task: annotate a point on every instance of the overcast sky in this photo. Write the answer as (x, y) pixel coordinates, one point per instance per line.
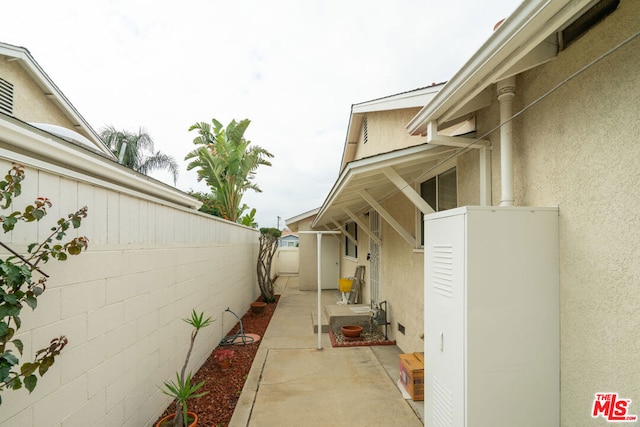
(294, 68)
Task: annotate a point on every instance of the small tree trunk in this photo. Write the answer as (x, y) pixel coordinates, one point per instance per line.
(268, 247)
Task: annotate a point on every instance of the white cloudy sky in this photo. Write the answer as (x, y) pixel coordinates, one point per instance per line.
(293, 67)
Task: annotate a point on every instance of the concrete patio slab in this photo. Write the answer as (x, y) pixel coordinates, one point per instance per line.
(293, 383)
(331, 387)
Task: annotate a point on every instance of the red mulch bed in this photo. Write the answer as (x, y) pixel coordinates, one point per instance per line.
(224, 387)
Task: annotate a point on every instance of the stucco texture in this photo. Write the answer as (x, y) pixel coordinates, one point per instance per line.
(402, 277)
(578, 148)
(386, 132)
(30, 103)
(308, 257)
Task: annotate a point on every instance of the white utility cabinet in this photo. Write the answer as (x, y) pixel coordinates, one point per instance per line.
(491, 301)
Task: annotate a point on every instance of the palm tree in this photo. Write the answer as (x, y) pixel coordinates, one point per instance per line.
(130, 149)
(226, 162)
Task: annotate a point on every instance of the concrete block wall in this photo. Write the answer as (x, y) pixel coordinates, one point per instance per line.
(122, 302)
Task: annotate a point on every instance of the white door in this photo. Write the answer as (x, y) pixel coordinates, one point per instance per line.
(330, 262)
(444, 304)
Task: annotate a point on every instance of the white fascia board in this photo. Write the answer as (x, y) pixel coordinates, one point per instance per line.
(338, 186)
(19, 142)
(302, 216)
(531, 24)
(30, 65)
(353, 129)
(412, 99)
(364, 165)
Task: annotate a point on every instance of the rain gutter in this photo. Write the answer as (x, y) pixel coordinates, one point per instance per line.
(532, 25)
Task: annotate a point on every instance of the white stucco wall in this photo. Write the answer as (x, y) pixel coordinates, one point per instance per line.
(578, 149)
(584, 158)
(308, 256)
(29, 102)
(402, 277)
(401, 265)
(401, 273)
(120, 304)
(386, 132)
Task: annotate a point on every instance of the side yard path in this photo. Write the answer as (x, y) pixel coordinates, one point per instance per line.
(292, 383)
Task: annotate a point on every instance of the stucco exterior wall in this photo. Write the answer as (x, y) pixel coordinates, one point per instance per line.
(578, 148)
(401, 274)
(468, 172)
(401, 264)
(386, 132)
(584, 159)
(308, 262)
(122, 302)
(402, 277)
(29, 102)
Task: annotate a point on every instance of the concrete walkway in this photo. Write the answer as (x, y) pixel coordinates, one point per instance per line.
(292, 383)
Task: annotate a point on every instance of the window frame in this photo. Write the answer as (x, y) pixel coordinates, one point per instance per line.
(441, 170)
(351, 227)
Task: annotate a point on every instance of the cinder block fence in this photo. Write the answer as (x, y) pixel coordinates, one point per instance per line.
(150, 262)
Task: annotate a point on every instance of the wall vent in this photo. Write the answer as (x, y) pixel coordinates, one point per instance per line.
(6, 97)
(365, 130)
(442, 404)
(442, 270)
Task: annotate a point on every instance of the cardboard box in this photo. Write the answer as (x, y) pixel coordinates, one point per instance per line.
(412, 374)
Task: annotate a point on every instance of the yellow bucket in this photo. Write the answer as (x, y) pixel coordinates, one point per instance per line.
(345, 284)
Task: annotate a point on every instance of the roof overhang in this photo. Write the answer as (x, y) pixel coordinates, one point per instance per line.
(526, 39)
(293, 222)
(367, 181)
(53, 93)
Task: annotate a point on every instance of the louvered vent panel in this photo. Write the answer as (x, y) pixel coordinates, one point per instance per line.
(443, 270)
(365, 131)
(6, 97)
(442, 405)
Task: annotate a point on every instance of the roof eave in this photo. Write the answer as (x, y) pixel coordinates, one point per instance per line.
(529, 26)
(361, 166)
(292, 222)
(410, 99)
